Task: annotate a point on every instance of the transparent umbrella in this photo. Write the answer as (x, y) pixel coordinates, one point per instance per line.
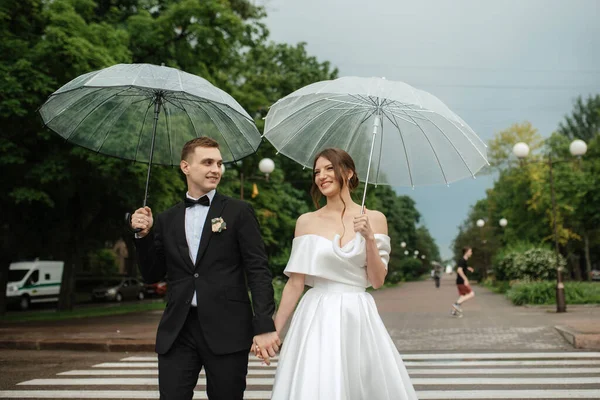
(146, 113)
(396, 134)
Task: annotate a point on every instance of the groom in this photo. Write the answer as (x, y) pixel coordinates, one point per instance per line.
(207, 247)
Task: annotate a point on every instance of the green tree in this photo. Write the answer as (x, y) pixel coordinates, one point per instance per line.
(500, 147)
(584, 121)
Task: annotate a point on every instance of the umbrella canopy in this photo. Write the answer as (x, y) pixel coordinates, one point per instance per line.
(111, 112)
(147, 113)
(396, 134)
(420, 141)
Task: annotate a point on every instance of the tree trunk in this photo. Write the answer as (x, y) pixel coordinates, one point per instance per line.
(73, 257)
(131, 260)
(575, 261)
(588, 261)
(7, 255)
(4, 264)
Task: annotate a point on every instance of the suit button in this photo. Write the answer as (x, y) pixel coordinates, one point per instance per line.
(196, 275)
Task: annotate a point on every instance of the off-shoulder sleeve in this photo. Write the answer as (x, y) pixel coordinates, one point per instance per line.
(300, 261)
(384, 246)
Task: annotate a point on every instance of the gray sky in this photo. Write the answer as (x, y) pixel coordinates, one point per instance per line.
(494, 63)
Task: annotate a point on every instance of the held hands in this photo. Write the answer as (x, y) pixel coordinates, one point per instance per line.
(266, 345)
(142, 219)
(362, 225)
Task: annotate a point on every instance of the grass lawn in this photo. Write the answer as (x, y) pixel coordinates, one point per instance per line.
(84, 312)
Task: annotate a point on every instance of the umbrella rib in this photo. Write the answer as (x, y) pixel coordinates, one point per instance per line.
(325, 130)
(141, 130)
(304, 125)
(110, 127)
(435, 153)
(453, 146)
(401, 116)
(104, 119)
(168, 124)
(66, 108)
(354, 136)
(213, 121)
(299, 110)
(90, 113)
(379, 160)
(406, 113)
(395, 122)
(236, 125)
(363, 104)
(469, 139)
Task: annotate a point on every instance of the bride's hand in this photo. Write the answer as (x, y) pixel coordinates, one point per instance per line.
(362, 225)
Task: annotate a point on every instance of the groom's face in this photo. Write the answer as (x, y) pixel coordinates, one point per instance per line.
(203, 169)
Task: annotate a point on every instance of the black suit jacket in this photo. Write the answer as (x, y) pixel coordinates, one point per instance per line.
(228, 262)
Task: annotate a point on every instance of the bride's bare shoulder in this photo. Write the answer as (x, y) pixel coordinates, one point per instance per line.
(305, 223)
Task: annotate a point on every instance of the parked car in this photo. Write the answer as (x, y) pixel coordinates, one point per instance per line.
(119, 289)
(595, 275)
(33, 282)
(156, 289)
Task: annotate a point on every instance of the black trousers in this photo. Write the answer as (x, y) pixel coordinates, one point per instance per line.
(179, 368)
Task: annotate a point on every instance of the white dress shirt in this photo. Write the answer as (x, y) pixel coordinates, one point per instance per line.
(195, 217)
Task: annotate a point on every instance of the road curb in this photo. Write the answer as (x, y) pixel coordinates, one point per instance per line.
(80, 345)
(578, 339)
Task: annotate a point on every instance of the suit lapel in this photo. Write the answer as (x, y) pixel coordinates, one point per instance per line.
(214, 211)
(181, 240)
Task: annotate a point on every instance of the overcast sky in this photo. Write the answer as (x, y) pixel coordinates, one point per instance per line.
(494, 63)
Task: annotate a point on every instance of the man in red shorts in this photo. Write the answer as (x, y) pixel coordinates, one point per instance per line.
(462, 282)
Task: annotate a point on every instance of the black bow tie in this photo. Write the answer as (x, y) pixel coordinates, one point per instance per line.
(203, 201)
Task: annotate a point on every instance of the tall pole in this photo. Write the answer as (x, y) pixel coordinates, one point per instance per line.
(561, 305)
(241, 185)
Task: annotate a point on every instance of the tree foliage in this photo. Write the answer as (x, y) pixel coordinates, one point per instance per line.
(64, 202)
(522, 192)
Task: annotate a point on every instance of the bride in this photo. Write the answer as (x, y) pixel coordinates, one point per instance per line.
(337, 347)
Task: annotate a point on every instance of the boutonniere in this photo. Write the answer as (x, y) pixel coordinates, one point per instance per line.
(218, 225)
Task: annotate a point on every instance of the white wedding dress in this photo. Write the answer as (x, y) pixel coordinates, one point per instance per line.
(337, 347)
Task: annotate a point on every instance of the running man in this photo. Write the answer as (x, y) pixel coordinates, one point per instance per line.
(462, 282)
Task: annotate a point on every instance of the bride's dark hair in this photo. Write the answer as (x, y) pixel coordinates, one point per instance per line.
(342, 164)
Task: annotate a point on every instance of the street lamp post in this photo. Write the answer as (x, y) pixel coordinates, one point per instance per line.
(577, 149)
(266, 166)
(481, 223)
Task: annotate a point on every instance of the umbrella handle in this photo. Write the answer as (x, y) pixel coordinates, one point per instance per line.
(348, 254)
(128, 222)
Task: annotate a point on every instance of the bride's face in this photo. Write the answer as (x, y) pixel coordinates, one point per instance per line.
(325, 177)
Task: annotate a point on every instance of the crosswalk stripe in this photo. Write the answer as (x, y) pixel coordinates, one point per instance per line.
(411, 371)
(509, 394)
(444, 356)
(155, 358)
(505, 381)
(122, 381)
(454, 363)
(463, 376)
(269, 381)
(98, 372)
(485, 356)
(265, 395)
(109, 394)
(503, 371)
(155, 364)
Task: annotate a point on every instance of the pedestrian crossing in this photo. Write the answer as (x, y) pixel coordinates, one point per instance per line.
(551, 375)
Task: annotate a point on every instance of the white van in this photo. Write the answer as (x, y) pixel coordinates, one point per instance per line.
(34, 282)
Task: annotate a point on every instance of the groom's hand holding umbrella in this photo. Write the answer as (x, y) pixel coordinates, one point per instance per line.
(142, 219)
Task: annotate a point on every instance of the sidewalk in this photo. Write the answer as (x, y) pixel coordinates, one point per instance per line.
(416, 314)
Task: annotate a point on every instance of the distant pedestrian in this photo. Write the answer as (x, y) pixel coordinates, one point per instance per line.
(436, 273)
(462, 282)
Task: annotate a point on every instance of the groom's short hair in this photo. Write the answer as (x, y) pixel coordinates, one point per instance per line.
(203, 141)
